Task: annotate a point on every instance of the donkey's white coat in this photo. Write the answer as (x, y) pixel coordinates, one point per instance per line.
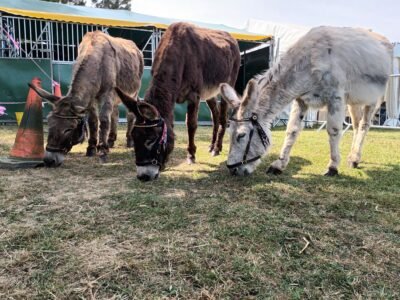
(330, 67)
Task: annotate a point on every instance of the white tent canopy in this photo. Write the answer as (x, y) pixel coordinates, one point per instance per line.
(285, 36)
(392, 96)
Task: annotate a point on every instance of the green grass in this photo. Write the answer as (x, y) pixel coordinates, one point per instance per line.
(93, 231)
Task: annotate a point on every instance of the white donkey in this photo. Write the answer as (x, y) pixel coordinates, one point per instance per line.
(330, 67)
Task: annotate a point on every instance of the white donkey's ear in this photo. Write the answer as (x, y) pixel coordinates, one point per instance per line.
(250, 96)
(229, 95)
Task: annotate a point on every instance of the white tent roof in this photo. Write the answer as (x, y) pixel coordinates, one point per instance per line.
(392, 96)
(396, 51)
(287, 34)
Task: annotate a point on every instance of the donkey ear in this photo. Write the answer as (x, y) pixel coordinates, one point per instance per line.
(252, 88)
(129, 102)
(250, 96)
(45, 95)
(148, 111)
(229, 95)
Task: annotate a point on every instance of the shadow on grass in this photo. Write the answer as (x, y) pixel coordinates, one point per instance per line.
(375, 173)
(275, 215)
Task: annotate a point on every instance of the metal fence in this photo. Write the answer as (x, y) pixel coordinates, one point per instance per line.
(25, 38)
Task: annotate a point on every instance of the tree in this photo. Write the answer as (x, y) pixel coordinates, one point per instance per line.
(113, 4)
(74, 2)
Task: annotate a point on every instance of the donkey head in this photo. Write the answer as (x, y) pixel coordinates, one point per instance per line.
(151, 138)
(249, 140)
(66, 127)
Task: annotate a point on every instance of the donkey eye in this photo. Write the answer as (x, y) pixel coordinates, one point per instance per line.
(67, 130)
(240, 136)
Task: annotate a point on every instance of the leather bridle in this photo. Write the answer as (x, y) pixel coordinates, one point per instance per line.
(82, 127)
(261, 133)
(159, 144)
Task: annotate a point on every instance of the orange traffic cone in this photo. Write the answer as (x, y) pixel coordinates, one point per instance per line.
(28, 150)
(57, 89)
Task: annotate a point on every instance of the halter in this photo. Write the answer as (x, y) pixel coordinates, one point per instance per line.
(261, 133)
(82, 124)
(159, 145)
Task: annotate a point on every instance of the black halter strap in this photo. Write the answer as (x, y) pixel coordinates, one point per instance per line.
(81, 124)
(67, 117)
(158, 146)
(261, 133)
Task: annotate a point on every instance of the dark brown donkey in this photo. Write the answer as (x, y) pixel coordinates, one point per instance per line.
(189, 64)
(103, 63)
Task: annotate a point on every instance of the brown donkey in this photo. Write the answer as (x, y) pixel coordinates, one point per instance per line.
(103, 63)
(189, 65)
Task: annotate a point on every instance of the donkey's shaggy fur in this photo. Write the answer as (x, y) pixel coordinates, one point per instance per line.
(330, 67)
(103, 63)
(190, 64)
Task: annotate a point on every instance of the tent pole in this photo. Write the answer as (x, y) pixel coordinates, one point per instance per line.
(244, 70)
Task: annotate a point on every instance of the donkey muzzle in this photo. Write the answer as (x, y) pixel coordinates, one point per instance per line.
(53, 159)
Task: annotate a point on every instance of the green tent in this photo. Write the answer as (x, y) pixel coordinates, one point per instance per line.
(40, 38)
(106, 17)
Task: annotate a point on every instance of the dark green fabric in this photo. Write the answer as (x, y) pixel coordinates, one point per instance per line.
(14, 78)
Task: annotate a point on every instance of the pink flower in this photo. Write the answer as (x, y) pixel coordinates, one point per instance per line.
(2, 110)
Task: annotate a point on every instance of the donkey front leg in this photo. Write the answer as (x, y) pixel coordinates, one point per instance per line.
(356, 115)
(105, 124)
(334, 126)
(93, 124)
(130, 117)
(365, 123)
(191, 123)
(223, 109)
(213, 106)
(112, 137)
(299, 108)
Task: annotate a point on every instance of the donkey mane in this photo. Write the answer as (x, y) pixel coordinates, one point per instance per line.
(162, 93)
(103, 63)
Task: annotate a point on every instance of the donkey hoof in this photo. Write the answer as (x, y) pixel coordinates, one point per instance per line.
(353, 164)
(274, 171)
(215, 153)
(191, 160)
(91, 152)
(129, 144)
(111, 144)
(331, 172)
(103, 158)
(211, 148)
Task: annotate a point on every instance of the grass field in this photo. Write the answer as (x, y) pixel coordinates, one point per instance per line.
(93, 231)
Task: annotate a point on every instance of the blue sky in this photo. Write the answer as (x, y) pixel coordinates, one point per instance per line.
(383, 16)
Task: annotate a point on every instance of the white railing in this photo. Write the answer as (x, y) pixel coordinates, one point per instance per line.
(25, 38)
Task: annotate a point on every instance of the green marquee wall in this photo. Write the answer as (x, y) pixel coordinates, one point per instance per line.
(16, 73)
(14, 78)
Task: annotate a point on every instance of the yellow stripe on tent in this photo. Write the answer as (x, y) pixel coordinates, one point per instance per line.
(111, 22)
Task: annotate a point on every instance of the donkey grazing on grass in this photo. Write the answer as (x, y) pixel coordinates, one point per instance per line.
(190, 63)
(327, 67)
(103, 63)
